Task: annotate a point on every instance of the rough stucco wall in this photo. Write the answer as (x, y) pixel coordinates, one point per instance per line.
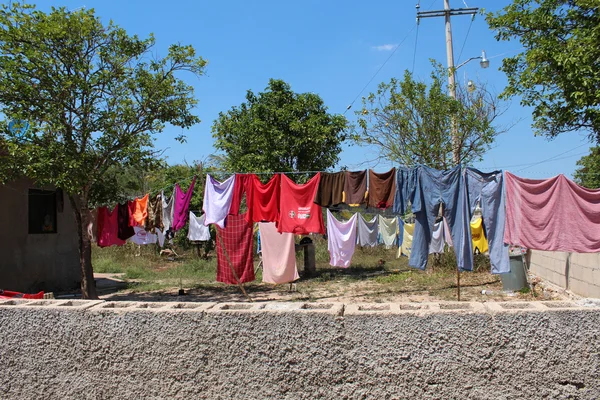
(282, 351)
(30, 263)
(580, 273)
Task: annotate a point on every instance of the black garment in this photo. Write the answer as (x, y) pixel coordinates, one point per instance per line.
(125, 231)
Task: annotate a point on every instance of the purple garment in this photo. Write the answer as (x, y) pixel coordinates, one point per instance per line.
(182, 206)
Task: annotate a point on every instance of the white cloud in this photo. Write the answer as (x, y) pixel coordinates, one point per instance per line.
(385, 47)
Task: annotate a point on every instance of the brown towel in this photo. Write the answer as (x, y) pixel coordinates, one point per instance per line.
(331, 189)
(355, 187)
(382, 188)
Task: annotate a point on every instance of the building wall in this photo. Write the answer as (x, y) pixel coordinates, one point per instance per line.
(577, 272)
(33, 262)
(63, 350)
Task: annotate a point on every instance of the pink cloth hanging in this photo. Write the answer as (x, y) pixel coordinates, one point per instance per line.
(278, 254)
(182, 206)
(553, 214)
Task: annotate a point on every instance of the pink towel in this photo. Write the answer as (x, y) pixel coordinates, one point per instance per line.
(554, 214)
(278, 254)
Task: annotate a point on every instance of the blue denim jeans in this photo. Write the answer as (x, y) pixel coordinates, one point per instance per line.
(433, 188)
(488, 190)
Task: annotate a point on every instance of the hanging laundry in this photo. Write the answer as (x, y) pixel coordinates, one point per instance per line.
(487, 189)
(125, 231)
(355, 188)
(341, 240)
(160, 236)
(440, 237)
(138, 211)
(432, 188)
(108, 227)
(382, 189)
(264, 205)
(141, 237)
(480, 243)
(217, 200)
(242, 185)
(154, 219)
(298, 213)
(197, 231)
(182, 206)
(167, 210)
(405, 189)
(331, 189)
(388, 228)
(553, 214)
(236, 240)
(407, 240)
(367, 231)
(278, 254)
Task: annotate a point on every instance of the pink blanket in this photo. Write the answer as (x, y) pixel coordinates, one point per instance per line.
(553, 215)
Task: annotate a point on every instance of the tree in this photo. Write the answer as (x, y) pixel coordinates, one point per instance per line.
(279, 131)
(558, 73)
(93, 99)
(588, 174)
(411, 123)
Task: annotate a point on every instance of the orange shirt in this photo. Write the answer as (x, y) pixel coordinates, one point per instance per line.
(138, 211)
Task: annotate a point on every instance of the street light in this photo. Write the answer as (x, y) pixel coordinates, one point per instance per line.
(484, 63)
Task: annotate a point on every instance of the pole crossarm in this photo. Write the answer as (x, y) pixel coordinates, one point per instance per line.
(452, 12)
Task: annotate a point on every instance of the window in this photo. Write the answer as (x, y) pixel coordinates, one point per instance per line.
(42, 211)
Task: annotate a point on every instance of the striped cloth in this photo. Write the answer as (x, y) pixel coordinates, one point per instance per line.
(238, 241)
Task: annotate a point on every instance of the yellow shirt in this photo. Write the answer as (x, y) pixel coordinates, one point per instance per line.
(477, 235)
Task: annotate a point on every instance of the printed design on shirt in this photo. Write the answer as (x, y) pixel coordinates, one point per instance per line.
(304, 212)
(292, 214)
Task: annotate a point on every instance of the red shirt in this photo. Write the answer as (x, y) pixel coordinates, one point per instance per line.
(298, 213)
(264, 200)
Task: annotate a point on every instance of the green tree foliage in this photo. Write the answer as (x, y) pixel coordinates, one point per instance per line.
(558, 73)
(93, 96)
(410, 122)
(588, 173)
(279, 131)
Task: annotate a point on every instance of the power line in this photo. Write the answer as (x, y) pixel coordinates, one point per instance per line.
(466, 37)
(383, 65)
(552, 158)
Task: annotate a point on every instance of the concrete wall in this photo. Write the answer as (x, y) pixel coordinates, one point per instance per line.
(87, 349)
(33, 262)
(579, 273)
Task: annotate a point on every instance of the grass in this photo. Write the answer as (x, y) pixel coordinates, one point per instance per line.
(375, 275)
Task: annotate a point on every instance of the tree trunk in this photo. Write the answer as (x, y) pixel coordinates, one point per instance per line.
(84, 220)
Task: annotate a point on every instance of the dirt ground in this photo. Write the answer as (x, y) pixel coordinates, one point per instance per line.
(340, 289)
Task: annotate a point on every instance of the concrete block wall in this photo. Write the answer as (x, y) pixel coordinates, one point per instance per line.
(577, 272)
(95, 349)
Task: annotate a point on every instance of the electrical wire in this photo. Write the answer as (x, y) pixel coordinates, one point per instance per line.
(465, 41)
(383, 65)
(415, 51)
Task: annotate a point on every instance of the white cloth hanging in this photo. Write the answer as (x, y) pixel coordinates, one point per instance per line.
(197, 231)
(367, 231)
(217, 200)
(167, 210)
(388, 228)
(341, 240)
(141, 237)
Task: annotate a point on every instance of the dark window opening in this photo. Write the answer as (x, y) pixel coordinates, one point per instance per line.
(42, 211)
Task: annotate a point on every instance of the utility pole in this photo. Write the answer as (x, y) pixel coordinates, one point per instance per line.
(447, 12)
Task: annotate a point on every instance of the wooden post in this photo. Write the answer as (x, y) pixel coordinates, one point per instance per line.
(458, 283)
(310, 265)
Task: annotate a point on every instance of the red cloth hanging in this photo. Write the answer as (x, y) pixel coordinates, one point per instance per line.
(107, 225)
(237, 238)
(264, 203)
(241, 186)
(298, 214)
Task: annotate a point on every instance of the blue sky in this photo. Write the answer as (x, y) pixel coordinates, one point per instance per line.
(332, 48)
